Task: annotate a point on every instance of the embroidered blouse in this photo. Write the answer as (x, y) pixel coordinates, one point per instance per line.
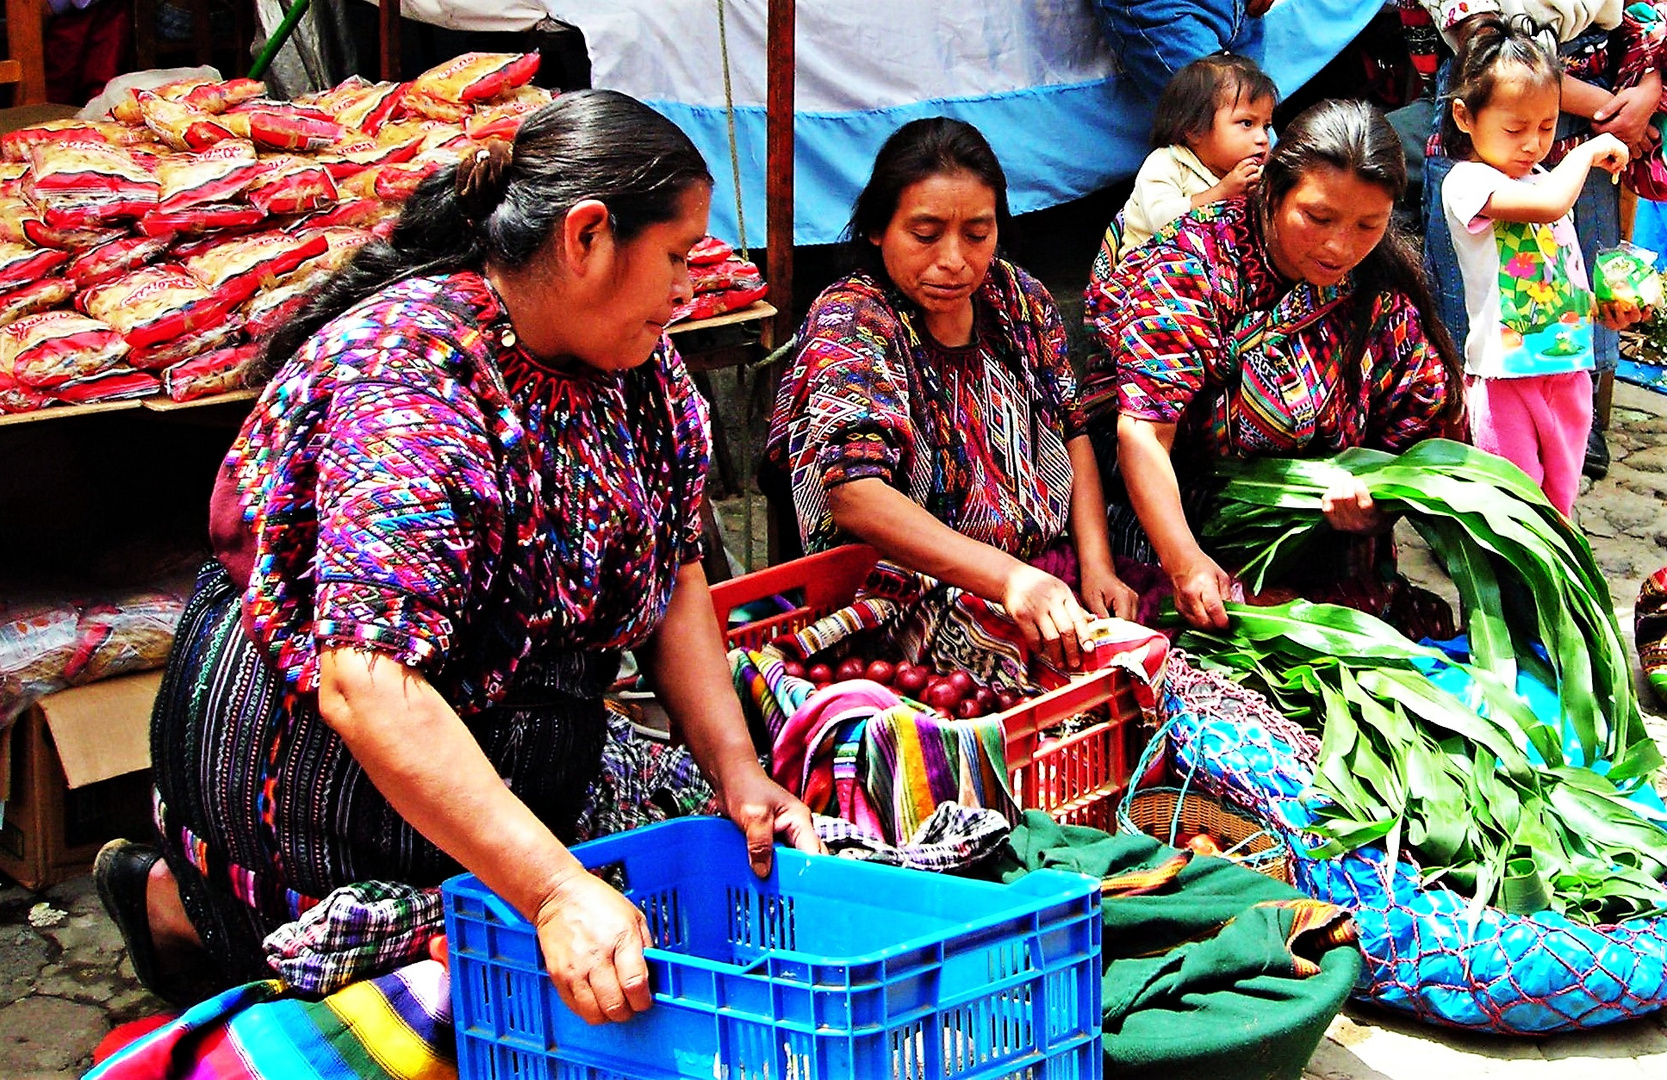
(976, 434)
(1198, 329)
(415, 483)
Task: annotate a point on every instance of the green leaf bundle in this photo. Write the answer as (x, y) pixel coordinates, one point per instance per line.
(1404, 761)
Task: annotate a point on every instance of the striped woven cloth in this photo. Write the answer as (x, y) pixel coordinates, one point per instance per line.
(394, 1027)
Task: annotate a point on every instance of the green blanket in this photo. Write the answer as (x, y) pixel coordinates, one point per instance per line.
(1210, 969)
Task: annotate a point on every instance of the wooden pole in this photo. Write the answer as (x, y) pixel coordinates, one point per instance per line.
(778, 181)
(26, 34)
(388, 25)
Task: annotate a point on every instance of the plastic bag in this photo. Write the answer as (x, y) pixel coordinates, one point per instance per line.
(396, 183)
(18, 398)
(118, 385)
(180, 126)
(155, 304)
(81, 184)
(108, 262)
(209, 217)
(16, 145)
(37, 233)
(278, 126)
(215, 175)
(21, 264)
(36, 642)
(1626, 279)
(708, 251)
(234, 270)
(213, 372)
(34, 298)
(364, 108)
(47, 350)
(476, 76)
(165, 353)
(292, 185)
(363, 213)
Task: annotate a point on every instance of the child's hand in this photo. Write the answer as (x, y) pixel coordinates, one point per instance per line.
(1621, 314)
(1243, 177)
(1608, 153)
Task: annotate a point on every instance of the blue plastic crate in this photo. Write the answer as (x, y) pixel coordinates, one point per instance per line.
(828, 970)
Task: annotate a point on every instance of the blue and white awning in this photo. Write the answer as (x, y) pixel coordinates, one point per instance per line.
(1033, 75)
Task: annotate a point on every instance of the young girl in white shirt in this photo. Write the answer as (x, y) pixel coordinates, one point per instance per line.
(1528, 353)
(1210, 132)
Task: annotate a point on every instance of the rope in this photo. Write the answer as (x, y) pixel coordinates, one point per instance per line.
(729, 120)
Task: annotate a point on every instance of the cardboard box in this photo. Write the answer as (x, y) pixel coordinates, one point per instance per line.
(76, 773)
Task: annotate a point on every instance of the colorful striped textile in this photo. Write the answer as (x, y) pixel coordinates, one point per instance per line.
(395, 1027)
(855, 751)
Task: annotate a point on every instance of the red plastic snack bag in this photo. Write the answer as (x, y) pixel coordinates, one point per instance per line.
(15, 145)
(426, 132)
(234, 270)
(366, 108)
(351, 158)
(271, 308)
(417, 103)
(78, 184)
(180, 126)
(476, 76)
(331, 98)
(732, 273)
(107, 262)
(273, 125)
(358, 213)
(111, 386)
(17, 398)
(46, 350)
(710, 250)
(21, 264)
(706, 305)
(213, 372)
(215, 175)
(163, 354)
(38, 233)
(11, 178)
(209, 217)
(396, 183)
(34, 298)
(154, 304)
(292, 185)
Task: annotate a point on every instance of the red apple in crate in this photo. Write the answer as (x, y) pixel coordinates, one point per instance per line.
(793, 668)
(967, 708)
(911, 680)
(880, 671)
(820, 674)
(1008, 698)
(942, 695)
(987, 700)
(962, 682)
(852, 667)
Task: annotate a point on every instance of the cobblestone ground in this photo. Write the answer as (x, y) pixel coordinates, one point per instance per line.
(65, 981)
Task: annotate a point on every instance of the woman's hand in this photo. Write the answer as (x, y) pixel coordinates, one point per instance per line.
(1105, 594)
(1627, 117)
(1201, 592)
(1348, 507)
(592, 939)
(1048, 614)
(765, 810)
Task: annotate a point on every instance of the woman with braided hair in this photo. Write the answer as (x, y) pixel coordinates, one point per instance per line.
(472, 479)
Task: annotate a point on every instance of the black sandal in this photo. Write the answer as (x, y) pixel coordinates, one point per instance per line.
(122, 873)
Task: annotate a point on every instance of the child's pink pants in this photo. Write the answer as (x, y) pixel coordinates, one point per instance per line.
(1540, 424)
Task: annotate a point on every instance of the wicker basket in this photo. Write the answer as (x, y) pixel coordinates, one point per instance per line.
(1165, 813)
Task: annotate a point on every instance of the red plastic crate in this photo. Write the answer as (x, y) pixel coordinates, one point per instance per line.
(1077, 779)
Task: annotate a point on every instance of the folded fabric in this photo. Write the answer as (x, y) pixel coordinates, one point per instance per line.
(955, 838)
(369, 926)
(1210, 969)
(395, 1027)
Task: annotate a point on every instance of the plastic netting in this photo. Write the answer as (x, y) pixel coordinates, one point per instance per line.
(1513, 975)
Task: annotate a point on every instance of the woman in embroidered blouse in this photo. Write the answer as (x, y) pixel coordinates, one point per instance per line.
(931, 411)
(473, 478)
(1291, 322)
